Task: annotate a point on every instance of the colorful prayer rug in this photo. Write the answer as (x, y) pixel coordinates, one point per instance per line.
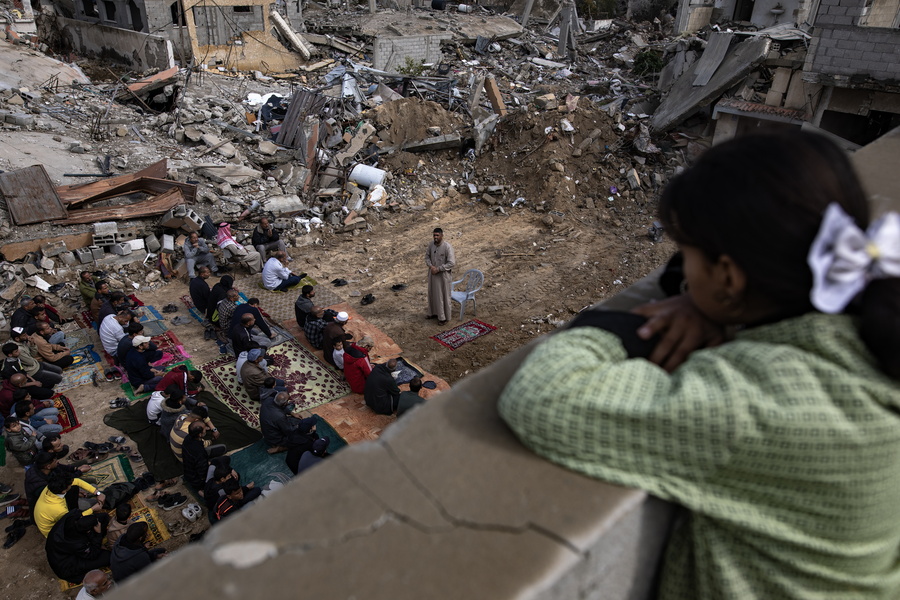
(168, 342)
(115, 469)
(85, 320)
(67, 416)
(77, 375)
(459, 335)
(309, 381)
(129, 390)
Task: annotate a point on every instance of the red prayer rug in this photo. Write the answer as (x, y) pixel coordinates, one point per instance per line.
(459, 335)
(67, 417)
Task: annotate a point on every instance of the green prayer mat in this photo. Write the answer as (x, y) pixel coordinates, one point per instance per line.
(157, 453)
(129, 391)
(115, 469)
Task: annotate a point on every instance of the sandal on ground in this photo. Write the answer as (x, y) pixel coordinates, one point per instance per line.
(166, 484)
(116, 439)
(79, 454)
(135, 457)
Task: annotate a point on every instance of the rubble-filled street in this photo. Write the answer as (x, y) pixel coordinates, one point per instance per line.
(537, 135)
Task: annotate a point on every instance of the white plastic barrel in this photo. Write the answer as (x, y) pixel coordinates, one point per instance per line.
(366, 176)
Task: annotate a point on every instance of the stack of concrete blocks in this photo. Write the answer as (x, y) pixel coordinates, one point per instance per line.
(181, 217)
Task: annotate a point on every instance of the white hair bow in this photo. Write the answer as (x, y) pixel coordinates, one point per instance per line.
(843, 258)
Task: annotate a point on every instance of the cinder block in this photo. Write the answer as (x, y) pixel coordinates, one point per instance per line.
(104, 240)
(85, 255)
(68, 258)
(53, 248)
(191, 221)
(135, 244)
(20, 119)
(122, 249)
(865, 46)
(151, 242)
(168, 244)
(846, 44)
(106, 228)
(125, 236)
(96, 252)
(855, 55)
(172, 219)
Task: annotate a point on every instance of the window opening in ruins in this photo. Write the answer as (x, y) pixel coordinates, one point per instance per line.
(110, 9)
(137, 17)
(90, 8)
(177, 11)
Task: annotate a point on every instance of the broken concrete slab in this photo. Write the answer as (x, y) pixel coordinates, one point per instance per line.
(684, 99)
(231, 174)
(441, 142)
(362, 135)
(287, 204)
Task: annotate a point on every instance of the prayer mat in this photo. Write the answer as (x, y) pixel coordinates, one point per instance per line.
(459, 335)
(79, 338)
(310, 382)
(129, 390)
(281, 335)
(157, 453)
(168, 342)
(85, 320)
(115, 469)
(67, 416)
(148, 313)
(85, 355)
(158, 530)
(407, 372)
(79, 375)
(324, 429)
(255, 464)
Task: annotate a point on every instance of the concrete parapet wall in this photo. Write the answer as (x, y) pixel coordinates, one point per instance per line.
(855, 51)
(138, 51)
(446, 504)
(391, 53)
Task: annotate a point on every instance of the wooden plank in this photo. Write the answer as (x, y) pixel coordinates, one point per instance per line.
(712, 57)
(17, 250)
(30, 197)
(148, 208)
(69, 194)
(150, 185)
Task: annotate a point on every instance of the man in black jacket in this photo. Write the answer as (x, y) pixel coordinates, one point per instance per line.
(382, 393)
(75, 545)
(200, 289)
(194, 457)
(265, 238)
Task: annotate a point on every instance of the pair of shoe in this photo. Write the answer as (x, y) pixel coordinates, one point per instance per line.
(367, 299)
(15, 532)
(104, 448)
(119, 402)
(192, 512)
(5, 489)
(209, 334)
(179, 320)
(144, 482)
(171, 501)
(444, 322)
(170, 308)
(339, 282)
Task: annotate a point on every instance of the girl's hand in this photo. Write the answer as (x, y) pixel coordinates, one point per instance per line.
(682, 329)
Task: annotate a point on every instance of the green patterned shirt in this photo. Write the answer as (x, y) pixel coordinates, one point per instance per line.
(783, 444)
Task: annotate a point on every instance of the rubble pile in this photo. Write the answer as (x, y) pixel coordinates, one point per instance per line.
(562, 119)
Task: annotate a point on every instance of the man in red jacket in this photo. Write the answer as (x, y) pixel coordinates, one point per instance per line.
(356, 366)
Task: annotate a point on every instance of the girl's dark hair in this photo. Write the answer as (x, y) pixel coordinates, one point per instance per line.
(760, 199)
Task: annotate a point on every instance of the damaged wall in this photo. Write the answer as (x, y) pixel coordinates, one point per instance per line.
(391, 52)
(139, 51)
(844, 52)
(125, 14)
(253, 48)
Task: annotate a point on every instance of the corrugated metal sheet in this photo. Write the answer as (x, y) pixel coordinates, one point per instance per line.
(30, 197)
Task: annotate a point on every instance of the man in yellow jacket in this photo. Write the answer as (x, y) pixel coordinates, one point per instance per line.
(62, 495)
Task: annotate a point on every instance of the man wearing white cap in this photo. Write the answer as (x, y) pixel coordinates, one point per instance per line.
(332, 332)
(141, 376)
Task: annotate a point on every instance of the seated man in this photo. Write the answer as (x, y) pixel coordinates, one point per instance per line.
(24, 411)
(189, 382)
(132, 554)
(200, 290)
(52, 314)
(97, 301)
(236, 252)
(411, 399)
(156, 403)
(252, 308)
(195, 456)
(236, 497)
(228, 305)
(277, 422)
(334, 331)
(254, 373)
(22, 316)
(315, 326)
(243, 339)
(315, 455)
(38, 475)
(196, 253)
(54, 354)
(142, 377)
(198, 414)
(382, 393)
(126, 344)
(87, 285)
(21, 441)
(61, 495)
(8, 397)
(113, 304)
(96, 583)
(304, 305)
(172, 408)
(265, 238)
(48, 375)
(356, 366)
(276, 276)
(75, 545)
(112, 329)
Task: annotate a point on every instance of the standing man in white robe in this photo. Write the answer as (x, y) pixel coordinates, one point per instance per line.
(440, 259)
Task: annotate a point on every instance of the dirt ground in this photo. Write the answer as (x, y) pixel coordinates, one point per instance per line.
(569, 244)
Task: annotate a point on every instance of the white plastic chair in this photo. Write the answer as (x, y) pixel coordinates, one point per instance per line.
(473, 279)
